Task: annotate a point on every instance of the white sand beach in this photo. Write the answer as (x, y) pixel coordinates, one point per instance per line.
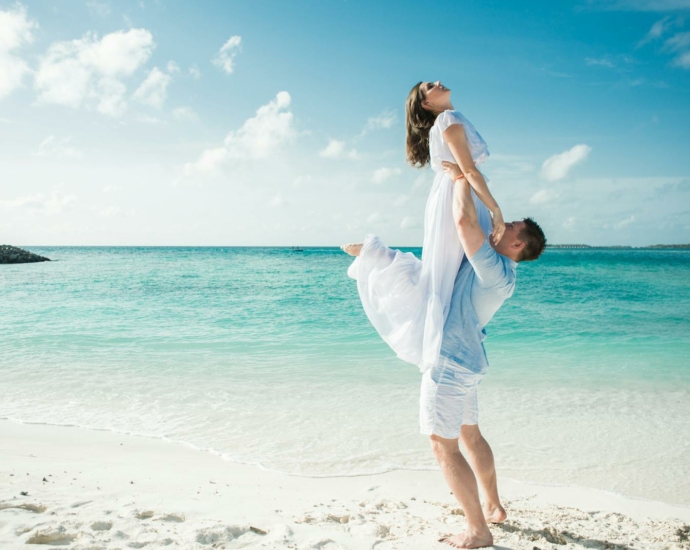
(85, 489)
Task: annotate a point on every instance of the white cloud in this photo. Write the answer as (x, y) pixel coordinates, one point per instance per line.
(543, 196)
(409, 223)
(382, 121)
(88, 70)
(643, 5)
(185, 114)
(423, 180)
(678, 41)
(210, 161)
(570, 223)
(508, 166)
(402, 199)
(383, 174)
(277, 201)
(154, 89)
(259, 137)
(624, 223)
(110, 94)
(194, 72)
(680, 44)
(336, 150)
(603, 62)
(101, 9)
(683, 60)
(108, 189)
(57, 148)
(557, 167)
(15, 29)
(39, 203)
(172, 67)
(225, 59)
(656, 31)
(117, 54)
(377, 218)
(300, 181)
(15, 32)
(116, 212)
(148, 119)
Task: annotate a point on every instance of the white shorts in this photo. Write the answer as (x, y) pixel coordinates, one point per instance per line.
(448, 399)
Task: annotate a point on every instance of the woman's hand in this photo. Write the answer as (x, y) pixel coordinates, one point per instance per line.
(498, 225)
(452, 170)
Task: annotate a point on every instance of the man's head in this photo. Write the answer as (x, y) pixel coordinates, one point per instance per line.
(522, 241)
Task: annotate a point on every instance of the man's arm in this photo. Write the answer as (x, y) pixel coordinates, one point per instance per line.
(465, 217)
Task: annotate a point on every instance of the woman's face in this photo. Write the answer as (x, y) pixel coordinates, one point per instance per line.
(435, 94)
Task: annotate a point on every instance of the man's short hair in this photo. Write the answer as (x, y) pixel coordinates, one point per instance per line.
(534, 239)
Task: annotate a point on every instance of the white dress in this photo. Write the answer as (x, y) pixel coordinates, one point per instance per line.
(407, 300)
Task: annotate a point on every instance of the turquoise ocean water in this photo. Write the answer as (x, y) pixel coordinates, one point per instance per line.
(264, 355)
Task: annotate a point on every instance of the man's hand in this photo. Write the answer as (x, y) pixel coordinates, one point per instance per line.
(452, 170)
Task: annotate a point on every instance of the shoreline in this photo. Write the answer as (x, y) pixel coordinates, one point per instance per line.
(104, 489)
(221, 456)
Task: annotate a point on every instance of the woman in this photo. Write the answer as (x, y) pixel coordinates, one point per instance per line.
(406, 299)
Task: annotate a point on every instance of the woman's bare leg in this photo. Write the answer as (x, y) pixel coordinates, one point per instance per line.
(352, 249)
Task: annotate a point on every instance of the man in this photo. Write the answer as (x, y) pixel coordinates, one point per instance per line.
(448, 401)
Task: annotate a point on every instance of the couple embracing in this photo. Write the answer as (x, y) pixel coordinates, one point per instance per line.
(432, 312)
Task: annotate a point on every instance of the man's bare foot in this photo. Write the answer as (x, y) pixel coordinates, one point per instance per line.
(494, 514)
(352, 249)
(469, 540)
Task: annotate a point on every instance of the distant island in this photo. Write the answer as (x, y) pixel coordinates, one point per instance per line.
(13, 255)
(619, 246)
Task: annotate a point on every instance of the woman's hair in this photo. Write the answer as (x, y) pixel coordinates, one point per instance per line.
(419, 122)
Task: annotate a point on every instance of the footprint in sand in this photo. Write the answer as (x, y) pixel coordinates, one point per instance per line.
(102, 525)
(147, 514)
(232, 532)
(36, 508)
(323, 544)
(79, 504)
(58, 537)
(173, 518)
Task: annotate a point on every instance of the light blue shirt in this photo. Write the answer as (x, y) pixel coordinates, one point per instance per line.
(482, 284)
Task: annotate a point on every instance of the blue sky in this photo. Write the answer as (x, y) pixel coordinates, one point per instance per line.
(274, 123)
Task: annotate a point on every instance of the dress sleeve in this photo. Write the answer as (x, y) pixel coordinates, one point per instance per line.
(475, 142)
(492, 270)
(448, 118)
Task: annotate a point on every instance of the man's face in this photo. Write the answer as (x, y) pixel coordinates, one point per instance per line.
(510, 245)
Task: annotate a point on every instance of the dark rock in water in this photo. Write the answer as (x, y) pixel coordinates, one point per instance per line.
(13, 255)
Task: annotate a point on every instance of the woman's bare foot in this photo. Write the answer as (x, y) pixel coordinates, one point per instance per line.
(469, 540)
(352, 249)
(494, 514)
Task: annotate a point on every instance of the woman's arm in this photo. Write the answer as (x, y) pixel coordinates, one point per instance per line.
(457, 143)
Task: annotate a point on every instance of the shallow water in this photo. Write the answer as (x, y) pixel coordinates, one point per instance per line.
(265, 356)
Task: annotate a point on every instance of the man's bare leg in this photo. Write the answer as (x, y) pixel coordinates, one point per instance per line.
(481, 458)
(462, 482)
(352, 249)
